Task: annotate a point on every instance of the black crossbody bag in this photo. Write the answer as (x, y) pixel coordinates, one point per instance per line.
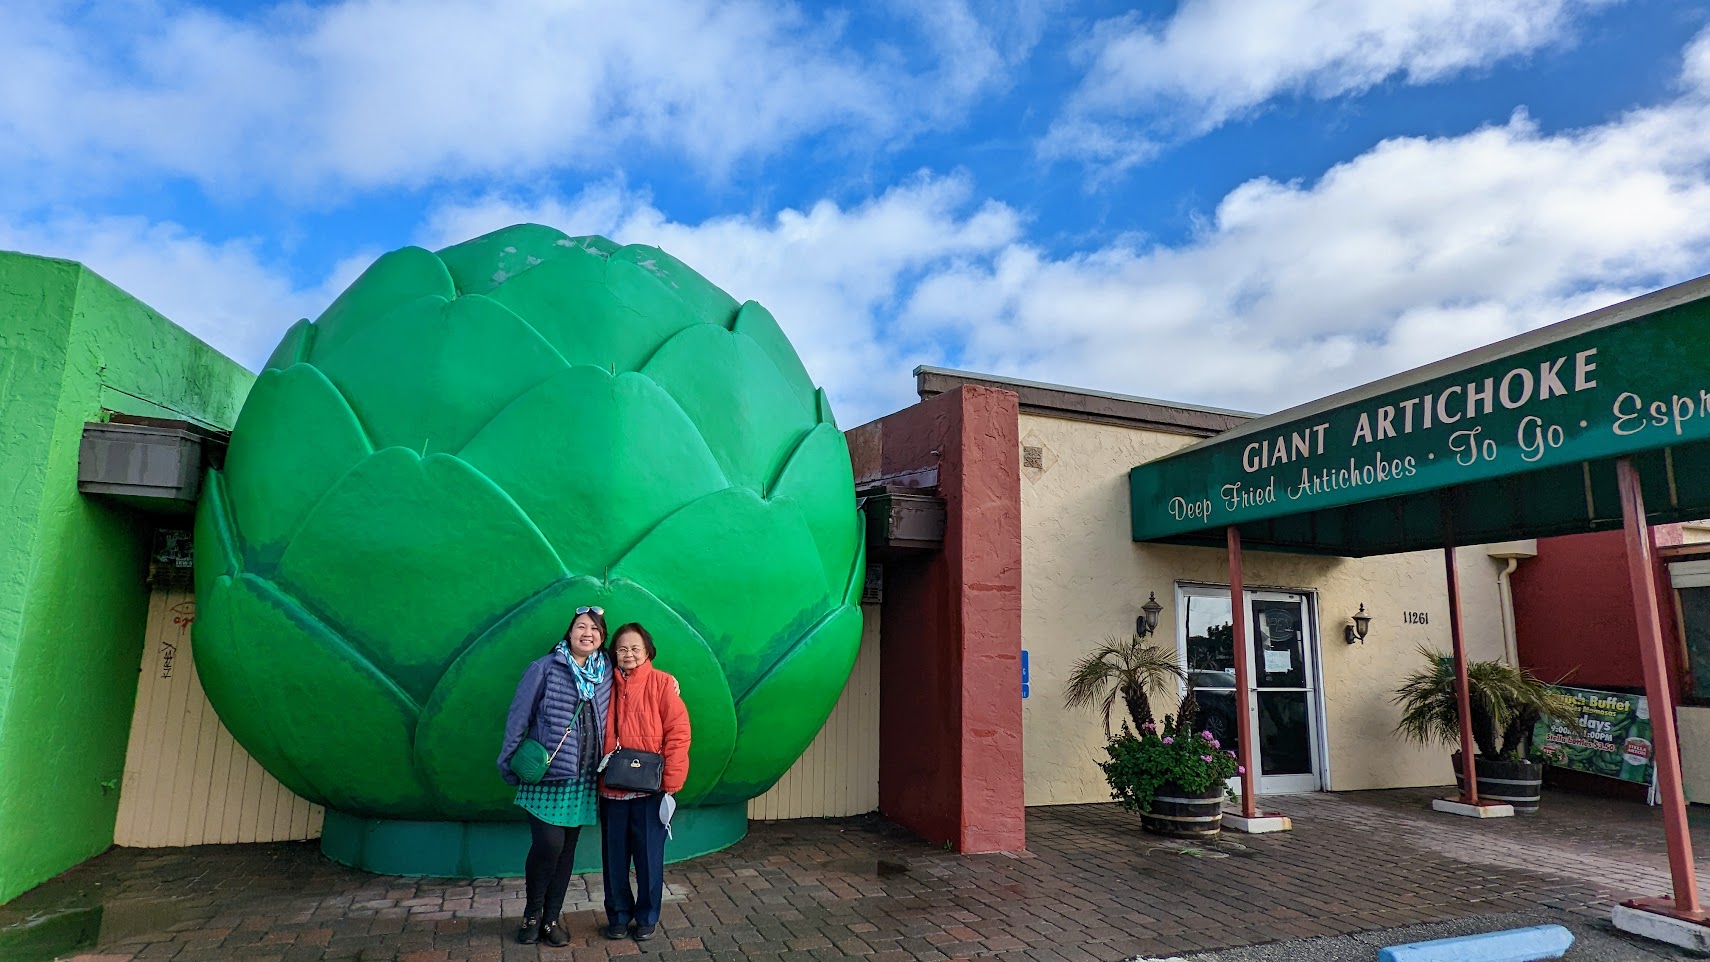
(629, 769)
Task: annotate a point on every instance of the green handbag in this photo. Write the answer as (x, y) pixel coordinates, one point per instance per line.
(531, 759)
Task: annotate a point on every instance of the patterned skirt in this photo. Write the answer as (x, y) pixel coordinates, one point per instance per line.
(567, 804)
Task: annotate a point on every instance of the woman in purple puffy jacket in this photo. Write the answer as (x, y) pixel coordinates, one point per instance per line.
(561, 702)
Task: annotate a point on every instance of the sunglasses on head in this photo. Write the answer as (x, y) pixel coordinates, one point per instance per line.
(592, 609)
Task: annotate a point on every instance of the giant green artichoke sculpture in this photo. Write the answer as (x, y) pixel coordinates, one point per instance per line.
(429, 479)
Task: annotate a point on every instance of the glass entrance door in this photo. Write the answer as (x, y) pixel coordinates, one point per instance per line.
(1282, 704)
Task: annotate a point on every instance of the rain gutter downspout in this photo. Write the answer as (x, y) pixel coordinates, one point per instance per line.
(1505, 598)
(1512, 552)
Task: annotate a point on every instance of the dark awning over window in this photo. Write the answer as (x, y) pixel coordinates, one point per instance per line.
(1514, 440)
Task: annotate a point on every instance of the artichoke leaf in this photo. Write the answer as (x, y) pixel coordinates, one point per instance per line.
(824, 407)
(491, 261)
(216, 548)
(729, 387)
(758, 324)
(431, 374)
(396, 279)
(592, 314)
(580, 484)
(701, 298)
(746, 613)
(293, 347)
(295, 438)
(219, 657)
(787, 707)
(819, 479)
(857, 581)
(364, 764)
(444, 554)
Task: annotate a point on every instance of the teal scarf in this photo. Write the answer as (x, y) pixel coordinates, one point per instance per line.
(588, 675)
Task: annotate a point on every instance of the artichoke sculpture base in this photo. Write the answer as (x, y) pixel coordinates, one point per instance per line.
(498, 849)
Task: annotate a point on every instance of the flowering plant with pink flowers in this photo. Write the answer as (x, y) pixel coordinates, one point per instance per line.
(1171, 753)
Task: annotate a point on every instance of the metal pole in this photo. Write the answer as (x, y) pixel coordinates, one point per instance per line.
(1243, 690)
(1665, 747)
(1463, 693)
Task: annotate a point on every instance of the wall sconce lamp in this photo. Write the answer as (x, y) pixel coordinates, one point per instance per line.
(1357, 630)
(1148, 620)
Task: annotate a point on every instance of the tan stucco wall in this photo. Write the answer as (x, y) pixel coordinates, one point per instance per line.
(1083, 580)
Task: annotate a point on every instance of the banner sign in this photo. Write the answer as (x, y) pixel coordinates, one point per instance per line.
(1629, 386)
(1615, 741)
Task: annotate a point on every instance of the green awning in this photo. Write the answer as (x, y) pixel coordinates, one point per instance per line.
(1514, 440)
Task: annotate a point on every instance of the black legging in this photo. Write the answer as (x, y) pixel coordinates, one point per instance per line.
(550, 859)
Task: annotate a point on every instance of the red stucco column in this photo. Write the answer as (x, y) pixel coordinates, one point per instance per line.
(983, 538)
(950, 763)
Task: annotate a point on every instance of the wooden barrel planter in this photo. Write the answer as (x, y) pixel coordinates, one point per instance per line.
(1181, 814)
(1520, 784)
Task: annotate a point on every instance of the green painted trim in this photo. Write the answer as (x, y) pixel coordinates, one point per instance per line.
(498, 849)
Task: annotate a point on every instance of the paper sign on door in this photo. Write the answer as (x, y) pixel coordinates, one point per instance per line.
(1278, 662)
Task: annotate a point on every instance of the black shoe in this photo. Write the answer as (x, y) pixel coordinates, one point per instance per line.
(530, 931)
(617, 930)
(643, 932)
(554, 934)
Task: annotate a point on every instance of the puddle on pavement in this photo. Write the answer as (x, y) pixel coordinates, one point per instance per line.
(1208, 848)
(62, 932)
(869, 867)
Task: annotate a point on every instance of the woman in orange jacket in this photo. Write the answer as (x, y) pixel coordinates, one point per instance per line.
(647, 714)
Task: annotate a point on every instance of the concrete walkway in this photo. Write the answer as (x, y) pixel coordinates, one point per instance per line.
(1091, 887)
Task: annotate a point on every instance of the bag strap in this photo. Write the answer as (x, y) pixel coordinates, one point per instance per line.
(616, 713)
(560, 744)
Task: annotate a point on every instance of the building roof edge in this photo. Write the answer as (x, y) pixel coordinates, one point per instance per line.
(1082, 404)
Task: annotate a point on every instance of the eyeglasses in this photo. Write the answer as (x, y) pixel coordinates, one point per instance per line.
(592, 609)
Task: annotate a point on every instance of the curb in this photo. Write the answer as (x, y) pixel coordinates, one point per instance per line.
(1511, 945)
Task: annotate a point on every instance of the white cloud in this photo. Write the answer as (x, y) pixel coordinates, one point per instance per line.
(1416, 250)
(835, 278)
(223, 292)
(977, 47)
(1413, 251)
(1216, 59)
(373, 93)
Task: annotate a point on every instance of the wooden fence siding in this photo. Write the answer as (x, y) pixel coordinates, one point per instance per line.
(125, 826)
(187, 782)
(839, 772)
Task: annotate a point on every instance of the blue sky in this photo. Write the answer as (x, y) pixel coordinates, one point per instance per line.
(1240, 203)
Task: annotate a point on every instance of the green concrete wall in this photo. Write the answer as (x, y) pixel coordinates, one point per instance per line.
(72, 600)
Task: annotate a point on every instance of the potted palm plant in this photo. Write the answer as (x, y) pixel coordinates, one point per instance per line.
(1173, 776)
(1506, 704)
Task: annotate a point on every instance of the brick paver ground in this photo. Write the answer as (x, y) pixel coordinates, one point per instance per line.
(1091, 887)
